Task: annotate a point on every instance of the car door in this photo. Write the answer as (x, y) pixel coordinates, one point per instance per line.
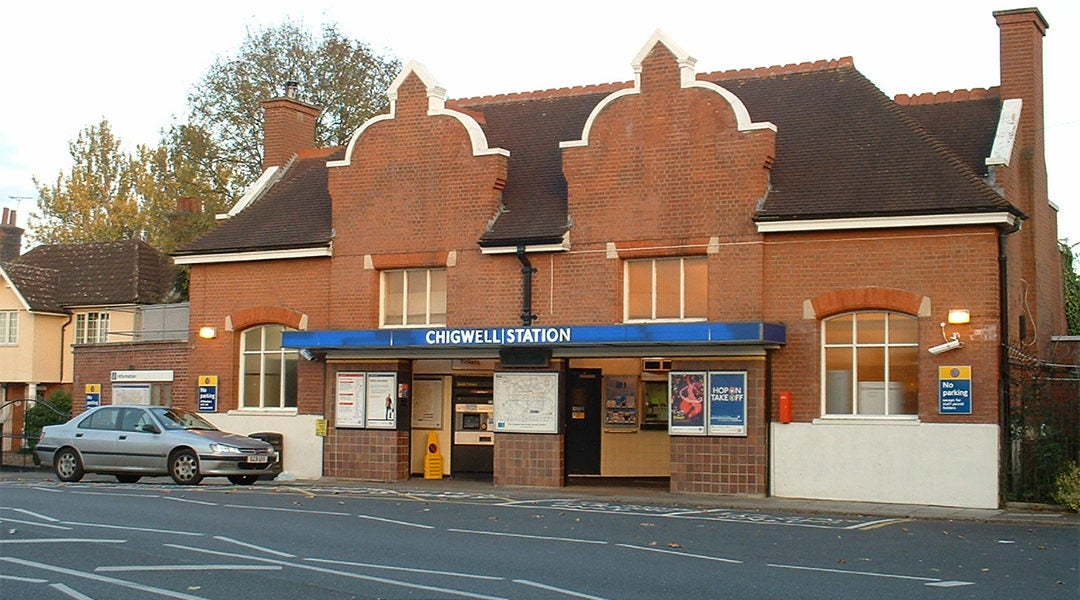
(95, 438)
(139, 449)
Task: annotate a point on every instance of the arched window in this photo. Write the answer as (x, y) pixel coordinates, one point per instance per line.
(870, 364)
(267, 371)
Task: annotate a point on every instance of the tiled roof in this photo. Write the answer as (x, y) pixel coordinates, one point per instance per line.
(93, 274)
(36, 285)
(843, 149)
(294, 213)
(966, 121)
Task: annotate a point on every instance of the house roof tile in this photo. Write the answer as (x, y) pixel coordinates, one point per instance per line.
(93, 274)
(843, 149)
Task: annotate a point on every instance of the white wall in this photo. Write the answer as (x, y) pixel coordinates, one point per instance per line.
(935, 464)
(303, 449)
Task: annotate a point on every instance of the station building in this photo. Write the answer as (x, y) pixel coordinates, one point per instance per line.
(773, 281)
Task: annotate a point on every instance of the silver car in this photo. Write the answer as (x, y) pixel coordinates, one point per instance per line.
(132, 441)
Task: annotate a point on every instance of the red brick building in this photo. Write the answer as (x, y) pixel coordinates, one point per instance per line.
(738, 281)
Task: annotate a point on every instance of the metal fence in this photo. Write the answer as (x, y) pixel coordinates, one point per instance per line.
(1044, 426)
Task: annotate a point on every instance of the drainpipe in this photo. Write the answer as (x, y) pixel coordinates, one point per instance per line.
(1005, 372)
(527, 270)
(63, 329)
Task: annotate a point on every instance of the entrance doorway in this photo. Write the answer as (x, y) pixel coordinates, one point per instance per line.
(472, 453)
(584, 406)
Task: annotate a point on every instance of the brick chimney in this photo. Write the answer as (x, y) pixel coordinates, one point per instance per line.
(10, 237)
(1035, 274)
(1021, 38)
(288, 127)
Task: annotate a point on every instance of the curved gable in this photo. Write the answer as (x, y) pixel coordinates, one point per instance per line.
(687, 79)
(436, 106)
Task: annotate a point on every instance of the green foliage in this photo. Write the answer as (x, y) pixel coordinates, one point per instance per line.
(110, 195)
(95, 200)
(1067, 487)
(1071, 280)
(344, 77)
(39, 415)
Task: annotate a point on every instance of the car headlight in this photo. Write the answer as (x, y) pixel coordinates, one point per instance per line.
(224, 449)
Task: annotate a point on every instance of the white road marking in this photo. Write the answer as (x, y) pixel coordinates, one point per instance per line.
(254, 547)
(31, 513)
(405, 523)
(406, 569)
(948, 584)
(126, 528)
(126, 569)
(63, 589)
(562, 591)
(293, 510)
(531, 537)
(23, 579)
(63, 541)
(118, 494)
(33, 523)
(93, 577)
(686, 554)
(929, 580)
(383, 580)
(191, 501)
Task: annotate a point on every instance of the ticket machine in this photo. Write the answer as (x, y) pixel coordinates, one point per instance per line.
(473, 444)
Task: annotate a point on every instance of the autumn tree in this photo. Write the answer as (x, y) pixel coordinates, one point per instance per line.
(344, 77)
(110, 195)
(94, 201)
(1071, 277)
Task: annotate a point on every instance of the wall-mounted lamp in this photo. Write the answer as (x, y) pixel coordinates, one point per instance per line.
(959, 316)
(208, 333)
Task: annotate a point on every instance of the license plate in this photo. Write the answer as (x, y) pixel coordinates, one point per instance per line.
(258, 459)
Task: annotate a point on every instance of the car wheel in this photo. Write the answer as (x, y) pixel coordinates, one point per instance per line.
(128, 478)
(184, 467)
(68, 465)
(243, 479)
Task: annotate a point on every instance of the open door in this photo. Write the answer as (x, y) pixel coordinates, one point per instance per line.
(584, 407)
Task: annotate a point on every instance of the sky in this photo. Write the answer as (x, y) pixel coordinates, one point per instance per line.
(67, 65)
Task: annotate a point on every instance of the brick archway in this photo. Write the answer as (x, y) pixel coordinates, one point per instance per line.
(262, 315)
(869, 298)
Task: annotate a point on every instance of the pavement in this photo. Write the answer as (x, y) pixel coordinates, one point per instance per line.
(650, 494)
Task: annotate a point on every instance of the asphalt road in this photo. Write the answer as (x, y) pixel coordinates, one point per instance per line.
(99, 539)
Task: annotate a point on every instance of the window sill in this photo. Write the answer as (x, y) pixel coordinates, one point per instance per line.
(271, 412)
(867, 420)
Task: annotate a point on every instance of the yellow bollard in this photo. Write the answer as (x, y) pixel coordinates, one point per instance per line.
(433, 466)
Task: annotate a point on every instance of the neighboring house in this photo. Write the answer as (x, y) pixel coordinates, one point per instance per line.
(60, 296)
(764, 281)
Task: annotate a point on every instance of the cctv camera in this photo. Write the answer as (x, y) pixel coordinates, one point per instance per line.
(952, 344)
(307, 354)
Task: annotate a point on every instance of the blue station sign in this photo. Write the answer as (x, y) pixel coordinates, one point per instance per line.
(708, 333)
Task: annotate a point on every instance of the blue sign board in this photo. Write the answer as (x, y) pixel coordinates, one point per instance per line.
(727, 403)
(208, 393)
(93, 395)
(710, 333)
(954, 390)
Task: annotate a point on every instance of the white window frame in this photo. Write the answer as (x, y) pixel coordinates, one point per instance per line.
(383, 290)
(855, 345)
(283, 355)
(9, 328)
(682, 290)
(92, 328)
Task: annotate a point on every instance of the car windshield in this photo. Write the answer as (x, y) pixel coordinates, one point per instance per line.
(175, 418)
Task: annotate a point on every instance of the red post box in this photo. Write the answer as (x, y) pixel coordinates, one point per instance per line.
(785, 407)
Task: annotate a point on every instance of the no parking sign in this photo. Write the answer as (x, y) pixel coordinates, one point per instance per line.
(207, 393)
(954, 390)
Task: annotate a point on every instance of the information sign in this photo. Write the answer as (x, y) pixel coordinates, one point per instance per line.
(954, 390)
